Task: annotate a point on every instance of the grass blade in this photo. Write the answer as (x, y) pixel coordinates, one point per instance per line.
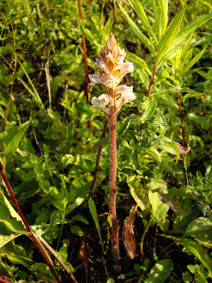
(92, 208)
(34, 93)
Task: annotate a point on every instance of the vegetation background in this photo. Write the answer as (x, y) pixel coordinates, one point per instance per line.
(50, 151)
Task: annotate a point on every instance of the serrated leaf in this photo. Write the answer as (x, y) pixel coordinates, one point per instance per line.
(137, 31)
(170, 35)
(15, 140)
(198, 252)
(160, 271)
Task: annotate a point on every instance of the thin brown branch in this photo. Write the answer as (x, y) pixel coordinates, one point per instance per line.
(181, 119)
(93, 187)
(52, 251)
(113, 191)
(152, 79)
(34, 239)
(85, 61)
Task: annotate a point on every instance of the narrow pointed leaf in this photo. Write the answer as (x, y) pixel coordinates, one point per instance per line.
(170, 35)
(137, 31)
(92, 208)
(194, 60)
(184, 33)
(34, 91)
(139, 61)
(138, 8)
(163, 14)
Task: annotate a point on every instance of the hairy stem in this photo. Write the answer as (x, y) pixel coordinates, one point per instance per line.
(181, 119)
(34, 239)
(152, 79)
(112, 202)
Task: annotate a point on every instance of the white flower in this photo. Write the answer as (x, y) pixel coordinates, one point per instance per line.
(101, 103)
(126, 68)
(102, 66)
(109, 81)
(95, 79)
(126, 95)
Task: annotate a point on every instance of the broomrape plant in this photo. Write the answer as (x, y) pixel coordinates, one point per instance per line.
(112, 70)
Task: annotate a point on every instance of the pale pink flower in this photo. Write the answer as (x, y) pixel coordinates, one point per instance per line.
(101, 102)
(113, 69)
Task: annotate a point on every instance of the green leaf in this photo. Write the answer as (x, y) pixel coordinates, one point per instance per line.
(160, 271)
(33, 92)
(199, 225)
(154, 154)
(138, 8)
(198, 252)
(92, 208)
(127, 122)
(170, 147)
(194, 60)
(163, 16)
(149, 107)
(15, 140)
(184, 33)
(170, 35)
(137, 31)
(5, 239)
(9, 217)
(141, 68)
(89, 36)
(159, 210)
(136, 191)
(139, 61)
